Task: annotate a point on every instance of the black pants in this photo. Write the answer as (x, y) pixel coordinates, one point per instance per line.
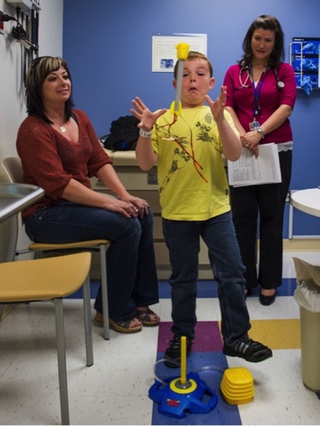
(257, 212)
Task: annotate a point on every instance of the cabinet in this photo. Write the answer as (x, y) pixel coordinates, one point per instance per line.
(144, 185)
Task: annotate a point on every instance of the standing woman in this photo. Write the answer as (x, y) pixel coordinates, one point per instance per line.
(60, 151)
(261, 93)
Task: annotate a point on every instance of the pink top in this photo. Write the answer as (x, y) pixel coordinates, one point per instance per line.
(241, 98)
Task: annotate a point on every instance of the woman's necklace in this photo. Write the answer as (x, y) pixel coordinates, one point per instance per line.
(62, 126)
(257, 71)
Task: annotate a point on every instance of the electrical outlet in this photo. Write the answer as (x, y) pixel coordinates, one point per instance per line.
(288, 198)
(152, 178)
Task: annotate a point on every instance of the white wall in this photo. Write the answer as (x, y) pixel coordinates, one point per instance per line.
(12, 106)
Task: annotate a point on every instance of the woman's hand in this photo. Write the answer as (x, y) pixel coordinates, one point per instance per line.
(251, 140)
(141, 206)
(144, 115)
(120, 206)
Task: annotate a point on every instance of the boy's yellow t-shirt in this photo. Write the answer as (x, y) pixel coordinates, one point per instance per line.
(191, 175)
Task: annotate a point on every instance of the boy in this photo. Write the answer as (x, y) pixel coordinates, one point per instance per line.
(194, 196)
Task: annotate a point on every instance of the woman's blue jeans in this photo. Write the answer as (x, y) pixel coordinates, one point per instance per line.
(131, 266)
(183, 241)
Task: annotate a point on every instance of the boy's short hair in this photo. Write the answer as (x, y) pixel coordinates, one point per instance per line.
(194, 55)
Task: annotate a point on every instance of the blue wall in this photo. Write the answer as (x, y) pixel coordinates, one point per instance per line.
(108, 46)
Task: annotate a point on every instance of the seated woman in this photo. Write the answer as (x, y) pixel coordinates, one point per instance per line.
(60, 151)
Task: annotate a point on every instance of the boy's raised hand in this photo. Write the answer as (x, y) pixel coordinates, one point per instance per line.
(217, 106)
(144, 115)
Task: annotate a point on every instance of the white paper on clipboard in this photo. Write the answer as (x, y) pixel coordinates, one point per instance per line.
(249, 170)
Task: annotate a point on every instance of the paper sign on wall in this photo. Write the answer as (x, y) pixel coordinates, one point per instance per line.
(164, 53)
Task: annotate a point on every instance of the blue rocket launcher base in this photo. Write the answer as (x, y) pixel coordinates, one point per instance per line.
(177, 400)
(187, 394)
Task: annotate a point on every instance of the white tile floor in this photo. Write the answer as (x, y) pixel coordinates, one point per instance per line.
(115, 389)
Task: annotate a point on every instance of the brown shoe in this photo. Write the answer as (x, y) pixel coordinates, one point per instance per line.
(119, 326)
(99, 318)
(148, 317)
(125, 326)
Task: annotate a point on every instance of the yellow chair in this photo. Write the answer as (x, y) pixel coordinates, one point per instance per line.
(52, 279)
(13, 168)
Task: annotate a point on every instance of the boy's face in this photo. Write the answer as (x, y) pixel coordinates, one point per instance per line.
(196, 82)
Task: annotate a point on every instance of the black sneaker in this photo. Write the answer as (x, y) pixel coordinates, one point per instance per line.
(173, 352)
(248, 349)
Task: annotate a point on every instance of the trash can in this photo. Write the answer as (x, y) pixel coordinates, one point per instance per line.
(307, 295)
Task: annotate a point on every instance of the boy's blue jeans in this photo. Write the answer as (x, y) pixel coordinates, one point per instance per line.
(183, 241)
(131, 266)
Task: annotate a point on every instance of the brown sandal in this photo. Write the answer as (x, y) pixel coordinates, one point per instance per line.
(124, 326)
(144, 315)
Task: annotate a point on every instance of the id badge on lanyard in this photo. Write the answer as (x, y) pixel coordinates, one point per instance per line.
(256, 110)
(254, 125)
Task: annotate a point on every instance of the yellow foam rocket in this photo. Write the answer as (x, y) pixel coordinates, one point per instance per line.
(182, 55)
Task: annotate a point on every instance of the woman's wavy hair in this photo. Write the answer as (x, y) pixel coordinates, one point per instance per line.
(267, 22)
(40, 68)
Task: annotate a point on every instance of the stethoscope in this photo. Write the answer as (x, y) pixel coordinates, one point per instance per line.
(280, 84)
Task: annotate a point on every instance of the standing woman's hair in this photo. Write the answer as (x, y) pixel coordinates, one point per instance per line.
(41, 67)
(266, 22)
